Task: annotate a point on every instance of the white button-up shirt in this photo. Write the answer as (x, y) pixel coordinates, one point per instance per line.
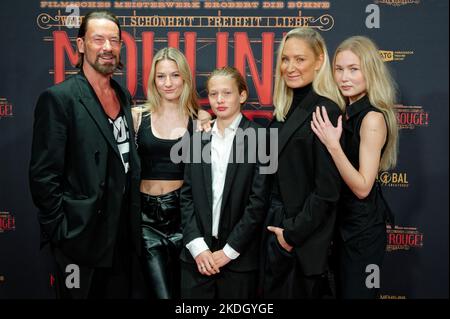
(220, 153)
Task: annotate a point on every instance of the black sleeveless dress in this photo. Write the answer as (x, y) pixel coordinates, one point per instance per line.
(361, 223)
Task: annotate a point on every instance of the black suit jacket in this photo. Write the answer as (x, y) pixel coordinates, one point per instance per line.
(76, 175)
(309, 184)
(243, 209)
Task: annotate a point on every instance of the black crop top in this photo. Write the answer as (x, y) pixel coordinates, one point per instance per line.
(154, 153)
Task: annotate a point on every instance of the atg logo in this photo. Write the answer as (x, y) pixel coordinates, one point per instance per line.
(410, 117)
(396, 3)
(393, 179)
(391, 56)
(403, 238)
(7, 222)
(5, 108)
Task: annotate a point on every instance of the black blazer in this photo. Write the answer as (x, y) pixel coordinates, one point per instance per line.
(76, 175)
(243, 210)
(309, 184)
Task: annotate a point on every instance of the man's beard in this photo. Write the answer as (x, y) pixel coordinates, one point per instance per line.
(105, 69)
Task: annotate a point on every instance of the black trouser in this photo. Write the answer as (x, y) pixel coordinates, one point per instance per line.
(94, 283)
(115, 281)
(162, 243)
(227, 284)
(280, 275)
(354, 256)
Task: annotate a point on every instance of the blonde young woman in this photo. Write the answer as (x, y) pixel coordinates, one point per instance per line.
(168, 115)
(370, 132)
(306, 186)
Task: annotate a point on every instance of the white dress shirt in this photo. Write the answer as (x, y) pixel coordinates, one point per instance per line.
(220, 153)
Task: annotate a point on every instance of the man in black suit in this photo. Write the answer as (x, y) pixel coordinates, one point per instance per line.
(223, 199)
(84, 169)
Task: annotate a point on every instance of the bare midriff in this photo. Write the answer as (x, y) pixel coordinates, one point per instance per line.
(159, 187)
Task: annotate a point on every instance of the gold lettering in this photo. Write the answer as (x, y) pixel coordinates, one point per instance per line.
(231, 5)
(234, 21)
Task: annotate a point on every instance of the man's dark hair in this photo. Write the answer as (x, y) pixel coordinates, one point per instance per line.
(83, 28)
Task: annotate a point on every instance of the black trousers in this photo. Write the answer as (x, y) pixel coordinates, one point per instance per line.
(162, 243)
(280, 274)
(353, 256)
(227, 284)
(116, 281)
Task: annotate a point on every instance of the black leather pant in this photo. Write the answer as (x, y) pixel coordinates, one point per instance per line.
(162, 243)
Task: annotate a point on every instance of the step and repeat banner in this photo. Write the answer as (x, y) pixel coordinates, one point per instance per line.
(38, 50)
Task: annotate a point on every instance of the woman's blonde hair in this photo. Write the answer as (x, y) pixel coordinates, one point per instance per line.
(381, 90)
(188, 98)
(323, 83)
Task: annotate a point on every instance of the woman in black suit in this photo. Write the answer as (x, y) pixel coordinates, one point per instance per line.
(370, 133)
(306, 187)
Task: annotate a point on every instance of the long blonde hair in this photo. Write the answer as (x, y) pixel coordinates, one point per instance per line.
(381, 90)
(323, 83)
(188, 98)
